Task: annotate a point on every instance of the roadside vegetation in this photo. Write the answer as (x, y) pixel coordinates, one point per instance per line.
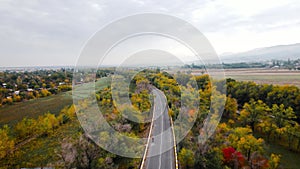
(255, 117)
(259, 127)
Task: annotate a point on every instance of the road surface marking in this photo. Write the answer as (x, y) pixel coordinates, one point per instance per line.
(150, 132)
(162, 127)
(175, 147)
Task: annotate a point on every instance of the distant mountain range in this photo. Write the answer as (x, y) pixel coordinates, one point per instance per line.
(280, 52)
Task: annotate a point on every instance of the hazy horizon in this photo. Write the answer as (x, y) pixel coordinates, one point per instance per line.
(53, 33)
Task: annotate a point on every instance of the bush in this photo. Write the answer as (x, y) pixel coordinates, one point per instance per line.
(6, 143)
(44, 93)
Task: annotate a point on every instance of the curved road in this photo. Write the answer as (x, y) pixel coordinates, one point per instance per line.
(160, 154)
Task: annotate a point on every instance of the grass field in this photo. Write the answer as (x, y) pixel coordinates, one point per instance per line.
(11, 114)
(289, 159)
(42, 151)
(265, 76)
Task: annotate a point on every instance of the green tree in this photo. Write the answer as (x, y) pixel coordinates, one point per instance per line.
(242, 139)
(47, 123)
(292, 132)
(6, 143)
(281, 115)
(231, 107)
(253, 112)
(186, 158)
(268, 126)
(26, 128)
(3, 93)
(274, 161)
(45, 92)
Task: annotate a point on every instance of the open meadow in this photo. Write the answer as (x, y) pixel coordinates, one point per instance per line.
(265, 76)
(11, 114)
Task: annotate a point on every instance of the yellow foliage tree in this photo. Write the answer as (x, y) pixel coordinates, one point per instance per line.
(274, 161)
(6, 144)
(186, 158)
(242, 139)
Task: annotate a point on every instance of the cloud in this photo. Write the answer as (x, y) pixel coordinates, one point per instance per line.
(53, 32)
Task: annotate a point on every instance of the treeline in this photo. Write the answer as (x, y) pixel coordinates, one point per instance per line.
(272, 111)
(163, 81)
(243, 92)
(22, 86)
(229, 147)
(21, 96)
(250, 110)
(244, 65)
(233, 145)
(278, 64)
(29, 129)
(34, 79)
(69, 146)
(275, 123)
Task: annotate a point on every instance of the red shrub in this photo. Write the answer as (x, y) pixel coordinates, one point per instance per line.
(228, 154)
(233, 157)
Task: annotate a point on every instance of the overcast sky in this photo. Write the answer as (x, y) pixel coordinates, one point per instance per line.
(53, 32)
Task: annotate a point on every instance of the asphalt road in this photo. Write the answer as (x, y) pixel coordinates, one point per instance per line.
(161, 146)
